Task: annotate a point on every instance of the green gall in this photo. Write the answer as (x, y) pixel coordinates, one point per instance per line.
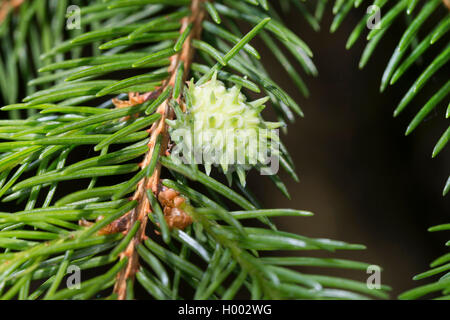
(221, 128)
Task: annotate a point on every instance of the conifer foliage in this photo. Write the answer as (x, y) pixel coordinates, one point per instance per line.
(86, 155)
(412, 48)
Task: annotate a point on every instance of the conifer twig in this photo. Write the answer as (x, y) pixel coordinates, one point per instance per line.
(447, 3)
(6, 6)
(158, 128)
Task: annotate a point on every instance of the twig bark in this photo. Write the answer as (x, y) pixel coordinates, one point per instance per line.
(447, 3)
(7, 5)
(159, 128)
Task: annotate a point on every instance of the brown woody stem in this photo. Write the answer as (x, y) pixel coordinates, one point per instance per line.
(159, 128)
(6, 6)
(447, 3)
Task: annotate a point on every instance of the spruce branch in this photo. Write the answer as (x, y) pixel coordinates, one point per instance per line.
(439, 289)
(183, 58)
(411, 47)
(447, 3)
(103, 224)
(6, 6)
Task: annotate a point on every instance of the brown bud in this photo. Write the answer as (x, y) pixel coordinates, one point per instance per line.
(177, 218)
(166, 197)
(178, 201)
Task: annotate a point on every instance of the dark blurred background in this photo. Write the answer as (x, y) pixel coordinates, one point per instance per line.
(364, 180)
